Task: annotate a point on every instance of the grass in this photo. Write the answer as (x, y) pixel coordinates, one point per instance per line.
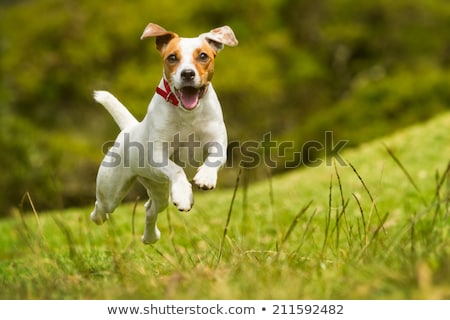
(376, 228)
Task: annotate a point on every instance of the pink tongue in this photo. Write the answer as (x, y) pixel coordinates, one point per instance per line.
(189, 98)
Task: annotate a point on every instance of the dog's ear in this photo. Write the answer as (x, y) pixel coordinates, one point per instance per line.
(219, 37)
(162, 35)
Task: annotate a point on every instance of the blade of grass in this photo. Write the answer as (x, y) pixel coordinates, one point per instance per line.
(368, 193)
(34, 240)
(344, 206)
(374, 235)
(437, 196)
(227, 223)
(172, 236)
(293, 224)
(362, 217)
(271, 196)
(69, 238)
(308, 225)
(406, 173)
(337, 225)
(328, 217)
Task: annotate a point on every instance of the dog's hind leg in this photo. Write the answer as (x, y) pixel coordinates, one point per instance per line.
(151, 231)
(158, 201)
(112, 186)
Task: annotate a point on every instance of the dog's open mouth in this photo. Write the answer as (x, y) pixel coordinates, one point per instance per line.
(190, 96)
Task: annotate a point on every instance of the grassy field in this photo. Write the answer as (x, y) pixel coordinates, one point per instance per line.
(376, 228)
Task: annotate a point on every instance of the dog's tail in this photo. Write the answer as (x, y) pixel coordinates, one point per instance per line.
(118, 111)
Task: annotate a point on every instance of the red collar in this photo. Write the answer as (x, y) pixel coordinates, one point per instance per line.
(168, 95)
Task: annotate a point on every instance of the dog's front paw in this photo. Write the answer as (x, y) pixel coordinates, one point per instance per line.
(206, 178)
(182, 196)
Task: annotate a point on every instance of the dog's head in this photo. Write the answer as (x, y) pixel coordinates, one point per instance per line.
(189, 62)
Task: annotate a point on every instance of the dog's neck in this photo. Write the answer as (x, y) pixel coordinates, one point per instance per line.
(167, 93)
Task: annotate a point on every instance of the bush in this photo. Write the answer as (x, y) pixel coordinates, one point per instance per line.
(360, 69)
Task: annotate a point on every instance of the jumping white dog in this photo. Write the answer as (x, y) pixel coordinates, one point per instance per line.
(184, 119)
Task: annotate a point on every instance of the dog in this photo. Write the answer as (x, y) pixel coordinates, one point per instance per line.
(184, 111)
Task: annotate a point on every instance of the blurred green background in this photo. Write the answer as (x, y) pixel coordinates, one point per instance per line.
(361, 69)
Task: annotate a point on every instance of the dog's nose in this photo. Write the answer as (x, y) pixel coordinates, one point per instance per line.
(188, 74)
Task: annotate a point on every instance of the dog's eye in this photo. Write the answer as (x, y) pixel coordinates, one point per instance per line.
(203, 57)
(172, 58)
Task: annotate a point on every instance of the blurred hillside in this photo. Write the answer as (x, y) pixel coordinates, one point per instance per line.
(360, 69)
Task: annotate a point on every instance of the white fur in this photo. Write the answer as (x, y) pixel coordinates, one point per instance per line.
(146, 158)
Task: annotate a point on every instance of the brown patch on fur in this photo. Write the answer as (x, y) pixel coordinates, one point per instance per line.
(205, 68)
(172, 48)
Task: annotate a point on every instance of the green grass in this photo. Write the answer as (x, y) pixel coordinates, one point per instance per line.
(377, 228)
